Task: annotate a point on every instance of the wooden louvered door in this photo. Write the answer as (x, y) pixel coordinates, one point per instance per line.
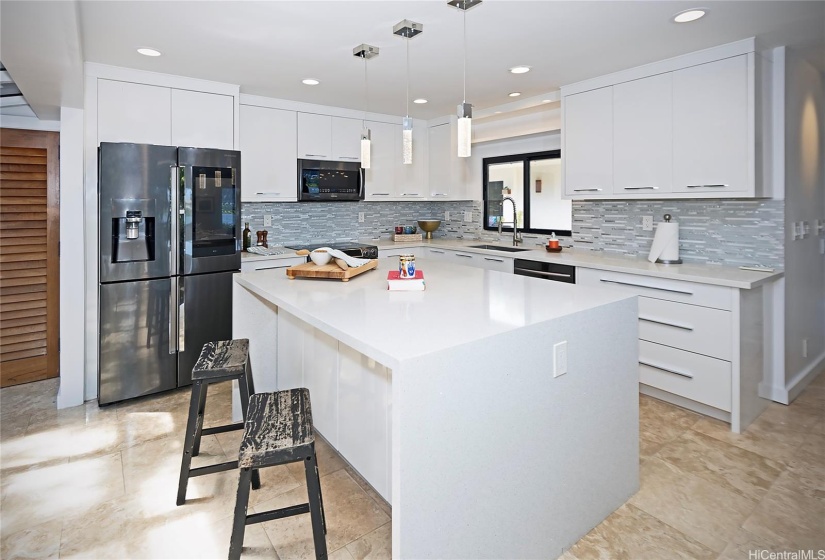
(29, 268)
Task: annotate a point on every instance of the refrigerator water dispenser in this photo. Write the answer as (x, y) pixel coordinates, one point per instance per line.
(133, 230)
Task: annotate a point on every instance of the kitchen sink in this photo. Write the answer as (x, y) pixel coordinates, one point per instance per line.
(499, 248)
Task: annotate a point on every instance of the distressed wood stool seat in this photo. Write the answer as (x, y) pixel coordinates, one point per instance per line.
(279, 430)
(220, 361)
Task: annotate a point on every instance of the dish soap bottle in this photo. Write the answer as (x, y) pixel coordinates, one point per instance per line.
(553, 242)
(247, 237)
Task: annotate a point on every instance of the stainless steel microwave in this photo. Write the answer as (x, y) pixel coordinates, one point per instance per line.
(327, 181)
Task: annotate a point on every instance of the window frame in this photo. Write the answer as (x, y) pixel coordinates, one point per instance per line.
(525, 159)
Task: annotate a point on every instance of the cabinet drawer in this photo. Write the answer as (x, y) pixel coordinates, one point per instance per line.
(693, 376)
(690, 327)
(706, 295)
(266, 264)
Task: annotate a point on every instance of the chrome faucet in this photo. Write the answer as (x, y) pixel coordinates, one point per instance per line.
(516, 235)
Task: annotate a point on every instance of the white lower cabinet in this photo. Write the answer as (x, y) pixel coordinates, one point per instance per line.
(700, 345)
(398, 251)
(467, 258)
(320, 367)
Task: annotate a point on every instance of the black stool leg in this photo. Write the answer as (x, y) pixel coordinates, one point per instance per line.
(239, 522)
(201, 413)
(316, 507)
(189, 442)
(244, 390)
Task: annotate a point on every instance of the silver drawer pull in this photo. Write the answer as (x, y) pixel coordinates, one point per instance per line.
(492, 259)
(710, 186)
(380, 194)
(640, 188)
(435, 251)
(348, 157)
(464, 256)
(268, 193)
(585, 190)
(648, 287)
(654, 366)
(658, 322)
(315, 155)
(410, 194)
(439, 194)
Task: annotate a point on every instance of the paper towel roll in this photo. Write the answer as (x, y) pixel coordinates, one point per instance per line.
(665, 248)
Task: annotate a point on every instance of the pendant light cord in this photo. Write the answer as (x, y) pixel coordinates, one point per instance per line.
(408, 77)
(366, 92)
(464, 20)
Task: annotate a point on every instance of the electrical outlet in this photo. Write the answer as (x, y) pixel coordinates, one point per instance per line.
(468, 216)
(647, 223)
(267, 220)
(560, 358)
(804, 347)
(447, 216)
(360, 217)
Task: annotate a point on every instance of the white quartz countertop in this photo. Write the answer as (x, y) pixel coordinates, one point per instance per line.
(460, 304)
(732, 277)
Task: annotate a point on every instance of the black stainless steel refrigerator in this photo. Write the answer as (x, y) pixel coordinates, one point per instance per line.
(169, 240)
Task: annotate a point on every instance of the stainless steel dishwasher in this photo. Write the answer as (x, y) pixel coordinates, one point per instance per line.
(545, 270)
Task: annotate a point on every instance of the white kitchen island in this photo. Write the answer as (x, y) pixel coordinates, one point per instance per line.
(446, 402)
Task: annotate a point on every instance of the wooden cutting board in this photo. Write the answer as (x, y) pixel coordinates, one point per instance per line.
(331, 270)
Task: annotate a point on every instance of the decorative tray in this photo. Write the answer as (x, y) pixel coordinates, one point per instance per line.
(406, 237)
(330, 270)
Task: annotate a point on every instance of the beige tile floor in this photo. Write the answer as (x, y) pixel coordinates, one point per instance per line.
(95, 482)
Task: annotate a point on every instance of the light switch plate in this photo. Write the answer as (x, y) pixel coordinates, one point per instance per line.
(647, 223)
(468, 216)
(560, 358)
(360, 217)
(267, 220)
(447, 216)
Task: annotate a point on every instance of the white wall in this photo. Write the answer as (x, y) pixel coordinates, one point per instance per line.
(804, 201)
(71, 259)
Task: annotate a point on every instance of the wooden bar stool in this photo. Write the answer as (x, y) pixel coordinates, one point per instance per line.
(220, 361)
(278, 431)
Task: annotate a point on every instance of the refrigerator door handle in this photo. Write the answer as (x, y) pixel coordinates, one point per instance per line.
(173, 316)
(174, 237)
(181, 316)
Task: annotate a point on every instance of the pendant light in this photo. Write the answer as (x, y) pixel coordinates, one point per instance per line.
(366, 52)
(465, 110)
(407, 29)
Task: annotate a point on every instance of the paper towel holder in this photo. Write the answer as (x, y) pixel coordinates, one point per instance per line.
(668, 217)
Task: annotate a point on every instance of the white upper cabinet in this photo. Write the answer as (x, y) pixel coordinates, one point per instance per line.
(587, 151)
(642, 133)
(128, 112)
(269, 169)
(314, 136)
(449, 175)
(380, 177)
(684, 127)
(203, 120)
(329, 138)
(346, 139)
(711, 145)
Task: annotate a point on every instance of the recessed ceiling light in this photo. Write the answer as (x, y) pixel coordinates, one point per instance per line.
(419, 101)
(310, 82)
(519, 69)
(515, 94)
(545, 100)
(692, 14)
(497, 112)
(148, 52)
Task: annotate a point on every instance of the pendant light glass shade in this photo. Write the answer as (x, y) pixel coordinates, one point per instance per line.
(464, 129)
(366, 146)
(406, 140)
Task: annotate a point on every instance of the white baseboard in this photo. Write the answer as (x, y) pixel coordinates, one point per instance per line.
(787, 394)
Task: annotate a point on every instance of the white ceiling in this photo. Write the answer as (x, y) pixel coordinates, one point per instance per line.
(268, 47)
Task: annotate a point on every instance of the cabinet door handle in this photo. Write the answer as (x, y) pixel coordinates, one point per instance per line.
(348, 157)
(550, 274)
(658, 322)
(654, 366)
(380, 194)
(463, 256)
(315, 155)
(439, 194)
(640, 188)
(645, 286)
(435, 251)
(275, 193)
(585, 190)
(492, 259)
(410, 194)
(701, 186)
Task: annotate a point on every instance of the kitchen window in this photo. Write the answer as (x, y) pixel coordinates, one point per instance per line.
(533, 181)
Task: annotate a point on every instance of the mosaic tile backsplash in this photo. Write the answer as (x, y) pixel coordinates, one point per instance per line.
(724, 232)
(317, 222)
(728, 232)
